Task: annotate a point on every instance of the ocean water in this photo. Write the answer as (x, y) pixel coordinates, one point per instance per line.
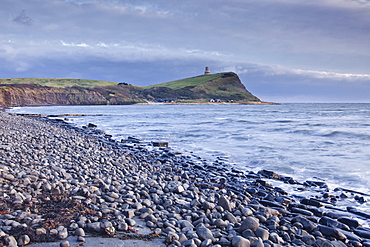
(322, 142)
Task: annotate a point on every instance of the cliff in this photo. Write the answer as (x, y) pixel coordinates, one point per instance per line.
(223, 86)
(27, 92)
(32, 94)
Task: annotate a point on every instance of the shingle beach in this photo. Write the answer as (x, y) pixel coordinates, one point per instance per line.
(73, 186)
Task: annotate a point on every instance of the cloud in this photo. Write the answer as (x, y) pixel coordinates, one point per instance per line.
(74, 45)
(271, 42)
(23, 19)
(268, 70)
(278, 70)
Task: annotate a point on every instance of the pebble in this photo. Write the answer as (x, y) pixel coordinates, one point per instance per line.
(10, 241)
(80, 232)
(250, 222)
(179, 198)
(204, 233)
(239, 241)
(63, 234)
(64, 243)
(24, 240)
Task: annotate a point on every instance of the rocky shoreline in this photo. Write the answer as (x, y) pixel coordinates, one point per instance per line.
(58, 181)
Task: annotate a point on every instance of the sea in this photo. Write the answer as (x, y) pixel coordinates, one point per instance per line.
(309, 142)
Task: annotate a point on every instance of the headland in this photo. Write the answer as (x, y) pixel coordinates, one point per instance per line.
(220, 88)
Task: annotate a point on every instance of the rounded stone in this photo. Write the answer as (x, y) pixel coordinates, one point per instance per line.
(24, 240)
(40, 231)
(122, 226)
(64, 243)
(10, 241)
(308, 239)
(239, 241)
(63, 234)
(206, 243)
(224, 203)
(262, 233)
(247, 212)
(171, 236)
(220, 223)
(204, 233)
(79, 232)
(81, 239)
(249, 223)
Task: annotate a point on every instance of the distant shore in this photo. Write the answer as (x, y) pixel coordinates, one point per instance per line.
(62, 183)
(3, 108)
(212, 103)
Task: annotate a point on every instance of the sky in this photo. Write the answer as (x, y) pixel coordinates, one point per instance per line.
(282, 50)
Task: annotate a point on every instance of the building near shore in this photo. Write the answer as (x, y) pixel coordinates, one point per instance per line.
(207, 71)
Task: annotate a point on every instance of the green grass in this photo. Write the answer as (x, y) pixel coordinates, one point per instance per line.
(192, 81)
(57, 82)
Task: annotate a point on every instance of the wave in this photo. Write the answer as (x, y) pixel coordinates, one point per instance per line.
(337, 133)
(331, 134)
(284, 121)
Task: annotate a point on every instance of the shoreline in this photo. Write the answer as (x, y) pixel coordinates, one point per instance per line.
(111, 186)
(4, 108)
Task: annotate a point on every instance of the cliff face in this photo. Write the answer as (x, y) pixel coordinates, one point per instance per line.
(31, 94)
(225, 86)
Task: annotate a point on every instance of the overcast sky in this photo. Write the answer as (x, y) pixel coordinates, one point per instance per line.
(283, 50)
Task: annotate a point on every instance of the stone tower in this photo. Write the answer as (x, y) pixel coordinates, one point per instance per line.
(207, 72)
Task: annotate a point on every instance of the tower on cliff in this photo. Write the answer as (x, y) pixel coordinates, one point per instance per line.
(207, 71)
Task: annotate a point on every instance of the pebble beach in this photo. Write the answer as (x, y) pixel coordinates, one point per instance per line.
(65, 186)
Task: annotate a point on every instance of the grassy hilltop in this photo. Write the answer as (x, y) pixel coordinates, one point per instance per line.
(57, 91)
(224, 86)
(58, 82)
(187, 82)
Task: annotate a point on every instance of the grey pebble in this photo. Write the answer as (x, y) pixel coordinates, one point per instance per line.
(64, 243)
(239, 241)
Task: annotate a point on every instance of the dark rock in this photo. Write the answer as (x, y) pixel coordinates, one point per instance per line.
(349, 221)
(223, 242)
(316, 184)
(248, 233)
(358, 212)
(355, 243)
(308, 239)
(262, 233)
(338, 244)
(301, 211)
(351, 235)
(329, 221)
(269, 174)
(91, 125)
(311, 202)
(362, 233)
(298, 242)
(271, 204)
(307, 224)
(160, 144)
